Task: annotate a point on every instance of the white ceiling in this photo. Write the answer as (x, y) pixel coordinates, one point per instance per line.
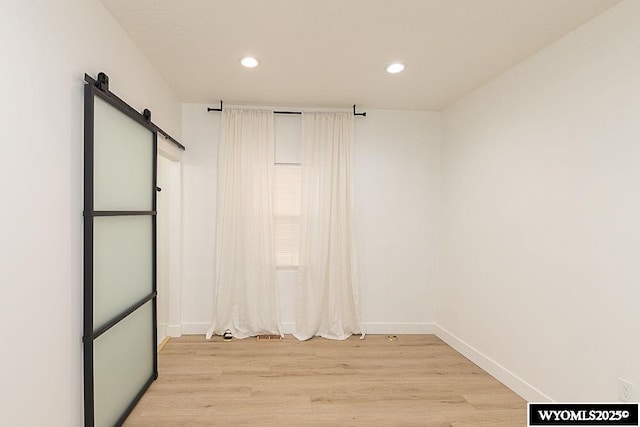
(332, 53)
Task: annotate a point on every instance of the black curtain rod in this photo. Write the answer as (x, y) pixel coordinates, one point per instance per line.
(363, 114)
(287, 112)
(103, 84)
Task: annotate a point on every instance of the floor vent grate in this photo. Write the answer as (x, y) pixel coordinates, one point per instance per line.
(269, 338)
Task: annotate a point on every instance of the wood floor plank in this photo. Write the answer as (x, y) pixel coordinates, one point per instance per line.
(417, 380)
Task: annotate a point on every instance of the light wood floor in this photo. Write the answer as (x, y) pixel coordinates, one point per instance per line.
(418, 380)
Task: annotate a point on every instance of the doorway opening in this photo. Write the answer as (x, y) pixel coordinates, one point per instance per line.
(169, 241)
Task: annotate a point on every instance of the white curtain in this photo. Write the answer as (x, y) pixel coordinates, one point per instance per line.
(327, 280)
(246, 299)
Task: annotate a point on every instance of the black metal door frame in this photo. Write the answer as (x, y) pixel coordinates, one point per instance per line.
(100, 88)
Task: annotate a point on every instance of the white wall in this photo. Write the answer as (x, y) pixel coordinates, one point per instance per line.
(541, 208)
(397, 191)
(46, 47)
(397, 164)
(200, 134)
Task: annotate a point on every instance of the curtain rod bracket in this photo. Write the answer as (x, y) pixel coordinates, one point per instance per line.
(215, 109)
(363, 114)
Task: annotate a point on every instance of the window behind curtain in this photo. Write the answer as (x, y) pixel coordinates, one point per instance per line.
(286, 194)
(286, 220)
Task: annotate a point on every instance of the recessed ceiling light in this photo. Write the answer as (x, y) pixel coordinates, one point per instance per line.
(249, 62)
(396, 67)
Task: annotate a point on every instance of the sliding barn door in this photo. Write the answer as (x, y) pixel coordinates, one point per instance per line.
(120, 359)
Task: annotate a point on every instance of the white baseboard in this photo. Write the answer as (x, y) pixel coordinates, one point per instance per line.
(198, 328)
(162, 328)
(162, 332)
(499, 372)
(174, 330)
(399, 328)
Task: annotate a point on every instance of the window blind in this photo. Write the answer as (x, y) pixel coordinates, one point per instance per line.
(286, 210)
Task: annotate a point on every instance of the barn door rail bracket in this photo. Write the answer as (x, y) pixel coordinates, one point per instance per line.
(102, 83)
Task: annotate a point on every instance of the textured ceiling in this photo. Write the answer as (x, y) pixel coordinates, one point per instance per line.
(332, 53)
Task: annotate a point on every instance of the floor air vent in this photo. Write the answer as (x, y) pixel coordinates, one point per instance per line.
(269, 338)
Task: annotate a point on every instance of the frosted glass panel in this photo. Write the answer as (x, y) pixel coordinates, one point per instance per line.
(123, 161)
(122, 264)
(122, 363)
